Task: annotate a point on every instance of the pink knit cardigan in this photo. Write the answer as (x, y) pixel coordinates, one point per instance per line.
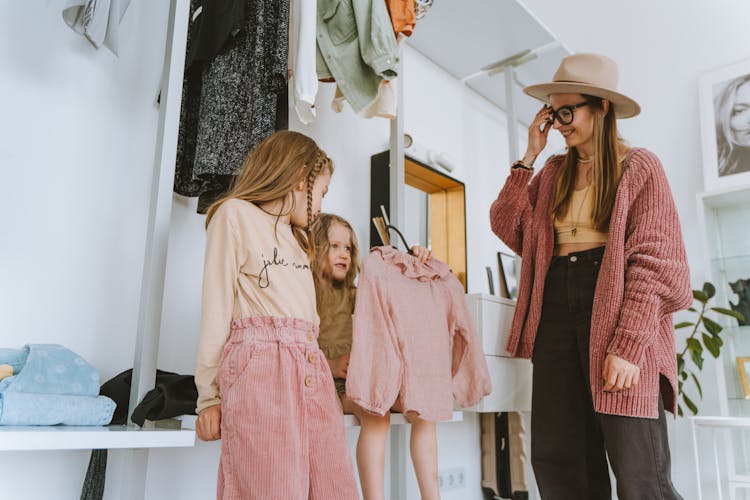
(643, 277)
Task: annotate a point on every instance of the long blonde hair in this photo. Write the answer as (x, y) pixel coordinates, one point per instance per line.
(606, 167)
(271, 172)
(319, 261)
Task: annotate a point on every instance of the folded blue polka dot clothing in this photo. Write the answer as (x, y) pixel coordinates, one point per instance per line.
(51, 385)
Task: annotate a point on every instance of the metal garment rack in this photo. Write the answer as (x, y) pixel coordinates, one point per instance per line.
(157, 237)
(398, 439)
(397, 436)
(133, 486)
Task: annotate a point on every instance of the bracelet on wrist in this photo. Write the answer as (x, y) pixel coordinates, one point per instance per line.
(521, 164)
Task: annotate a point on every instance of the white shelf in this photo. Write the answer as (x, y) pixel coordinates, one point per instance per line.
(399, 419)
(492, 298)
(726, 422)
(349, 420)
(726, 197)
(87, 438)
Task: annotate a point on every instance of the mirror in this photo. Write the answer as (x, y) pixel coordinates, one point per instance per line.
(435, 210)
(417, 211)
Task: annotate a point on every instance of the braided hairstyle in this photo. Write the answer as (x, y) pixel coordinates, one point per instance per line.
(322, 163)
(271, 172)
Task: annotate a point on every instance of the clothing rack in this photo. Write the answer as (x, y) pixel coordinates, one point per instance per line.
(133, 483)
(398, 440)
(157, 236)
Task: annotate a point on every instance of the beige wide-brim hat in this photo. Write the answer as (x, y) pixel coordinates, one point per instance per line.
(590, 74)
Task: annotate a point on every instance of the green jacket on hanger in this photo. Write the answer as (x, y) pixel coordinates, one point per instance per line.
(356, 47)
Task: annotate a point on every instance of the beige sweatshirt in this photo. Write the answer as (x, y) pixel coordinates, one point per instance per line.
(253, 267)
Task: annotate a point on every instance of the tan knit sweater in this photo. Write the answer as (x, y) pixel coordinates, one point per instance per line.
(335, 308)
(643, 278)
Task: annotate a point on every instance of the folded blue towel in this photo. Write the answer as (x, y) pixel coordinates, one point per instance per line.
(52, 409)
(48, 369)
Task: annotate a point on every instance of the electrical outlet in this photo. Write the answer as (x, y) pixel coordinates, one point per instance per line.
(452, 479)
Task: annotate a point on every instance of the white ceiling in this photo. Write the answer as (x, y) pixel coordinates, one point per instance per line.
(465, 36)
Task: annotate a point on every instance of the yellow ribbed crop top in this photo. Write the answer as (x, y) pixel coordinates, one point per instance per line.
(577, 225)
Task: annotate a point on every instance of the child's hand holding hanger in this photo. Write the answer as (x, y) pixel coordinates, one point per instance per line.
(421, 253)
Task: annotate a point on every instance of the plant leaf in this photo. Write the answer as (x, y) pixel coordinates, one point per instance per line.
(711, 345)
(684, 375)
(718, 341)
(689, 403)
(697, 384)
(712, 326)
(694, 346)
(679, 411)
(728, 312)
(697, 358)
(683, 324)
(680, 363)
(700, 296)
(692, 309)
(709, 289)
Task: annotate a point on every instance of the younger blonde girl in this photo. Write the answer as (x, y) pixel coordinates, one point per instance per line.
(335, 267)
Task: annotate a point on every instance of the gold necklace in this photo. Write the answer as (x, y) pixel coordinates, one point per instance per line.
(574, 227)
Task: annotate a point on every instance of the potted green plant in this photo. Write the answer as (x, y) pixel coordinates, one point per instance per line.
(705, 336)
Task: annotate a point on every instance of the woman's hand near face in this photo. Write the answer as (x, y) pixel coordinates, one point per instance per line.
(538, 132)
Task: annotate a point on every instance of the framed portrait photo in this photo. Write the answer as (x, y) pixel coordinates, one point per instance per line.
(724, 95)
(743, 369)
(507, 275)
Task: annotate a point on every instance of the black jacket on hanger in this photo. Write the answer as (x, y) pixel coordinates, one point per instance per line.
(215, 23)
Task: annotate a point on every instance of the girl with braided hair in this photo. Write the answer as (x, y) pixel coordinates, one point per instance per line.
(264, 386)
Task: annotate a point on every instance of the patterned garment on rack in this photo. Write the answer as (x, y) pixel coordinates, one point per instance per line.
(231, 103)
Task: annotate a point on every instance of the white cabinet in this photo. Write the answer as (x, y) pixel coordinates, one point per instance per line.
(723, 217)
(510, 377)
(726, 240)
(492, 316)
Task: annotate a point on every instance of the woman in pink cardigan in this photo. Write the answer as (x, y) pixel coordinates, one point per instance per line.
(604, 268)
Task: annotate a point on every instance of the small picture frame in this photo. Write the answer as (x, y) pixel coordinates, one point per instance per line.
(490, 280)
(724, 95)
(507, 275)
(743, 368)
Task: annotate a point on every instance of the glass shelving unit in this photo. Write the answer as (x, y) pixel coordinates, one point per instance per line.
(724, 218)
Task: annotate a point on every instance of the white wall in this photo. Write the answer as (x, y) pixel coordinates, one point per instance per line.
(77, 131)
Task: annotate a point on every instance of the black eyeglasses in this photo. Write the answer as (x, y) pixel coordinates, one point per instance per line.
(564, 114)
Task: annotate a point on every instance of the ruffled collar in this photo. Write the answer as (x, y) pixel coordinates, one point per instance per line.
(410, 266)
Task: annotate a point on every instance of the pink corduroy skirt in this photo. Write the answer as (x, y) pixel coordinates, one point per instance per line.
(282, 429)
